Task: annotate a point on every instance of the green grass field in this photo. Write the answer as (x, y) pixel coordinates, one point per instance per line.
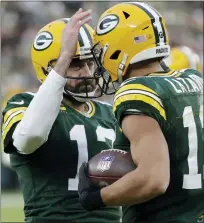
(12, 207)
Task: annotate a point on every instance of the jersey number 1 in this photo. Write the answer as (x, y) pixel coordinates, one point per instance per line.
(193, 180)
(78, 133)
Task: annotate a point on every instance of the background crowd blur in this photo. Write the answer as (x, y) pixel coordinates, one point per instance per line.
(20, 22)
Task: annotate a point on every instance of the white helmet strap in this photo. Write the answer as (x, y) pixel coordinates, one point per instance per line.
(121, 67)
(105, 48)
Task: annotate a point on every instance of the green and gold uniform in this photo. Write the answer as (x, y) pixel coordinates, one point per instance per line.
(49, 176)
(175, 101)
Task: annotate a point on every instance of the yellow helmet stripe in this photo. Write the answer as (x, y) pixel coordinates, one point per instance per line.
(157, 26)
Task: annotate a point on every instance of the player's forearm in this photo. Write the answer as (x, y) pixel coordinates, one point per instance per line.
(151, 177)
(135, 187)
(34, 128)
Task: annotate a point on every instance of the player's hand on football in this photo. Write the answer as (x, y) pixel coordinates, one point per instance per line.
(89, 194)
(71, 32)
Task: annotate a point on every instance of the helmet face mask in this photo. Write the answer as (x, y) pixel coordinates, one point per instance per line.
(106, 85)
(81, 82)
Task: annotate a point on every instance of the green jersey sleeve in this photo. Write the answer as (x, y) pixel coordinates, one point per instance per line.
(12, 114)
(139, 96)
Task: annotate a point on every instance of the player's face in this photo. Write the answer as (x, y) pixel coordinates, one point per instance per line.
(81, 69)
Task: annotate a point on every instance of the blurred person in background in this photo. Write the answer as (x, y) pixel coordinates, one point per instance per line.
(160, 111)
(182, 57)
(50, 133)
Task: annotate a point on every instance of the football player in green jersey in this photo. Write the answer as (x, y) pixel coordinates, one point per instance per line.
(160, 111)
(49, 134)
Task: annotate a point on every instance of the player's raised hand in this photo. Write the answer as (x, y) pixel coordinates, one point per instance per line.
(71, 31)
(70, 39)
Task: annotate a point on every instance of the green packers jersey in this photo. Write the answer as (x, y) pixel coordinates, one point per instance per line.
(49, 176)
(175, 101)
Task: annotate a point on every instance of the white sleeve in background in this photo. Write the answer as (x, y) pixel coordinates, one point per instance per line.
(33, 130)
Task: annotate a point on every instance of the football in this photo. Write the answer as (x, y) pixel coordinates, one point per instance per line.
(108, 166)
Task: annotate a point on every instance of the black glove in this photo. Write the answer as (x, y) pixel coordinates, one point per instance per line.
(89, 194)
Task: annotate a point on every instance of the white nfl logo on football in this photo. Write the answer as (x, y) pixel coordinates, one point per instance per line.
(105, 163)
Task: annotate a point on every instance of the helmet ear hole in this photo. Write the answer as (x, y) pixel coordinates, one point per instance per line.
(115, 55)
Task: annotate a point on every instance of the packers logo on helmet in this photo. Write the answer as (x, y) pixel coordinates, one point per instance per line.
(128, 33)
(107, 24)
(42, 41)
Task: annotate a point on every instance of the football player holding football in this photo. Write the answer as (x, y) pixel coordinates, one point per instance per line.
(160, 111)
(50, 133)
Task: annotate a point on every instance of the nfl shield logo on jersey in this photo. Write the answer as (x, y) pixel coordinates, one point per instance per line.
(105, 163)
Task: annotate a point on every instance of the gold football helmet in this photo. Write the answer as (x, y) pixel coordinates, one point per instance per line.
(47, 45)
(128, 33)
(183, 57)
